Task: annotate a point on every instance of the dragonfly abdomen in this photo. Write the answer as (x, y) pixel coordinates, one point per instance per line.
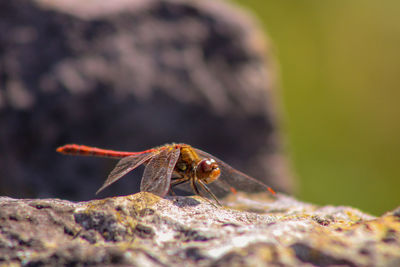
(82, 150)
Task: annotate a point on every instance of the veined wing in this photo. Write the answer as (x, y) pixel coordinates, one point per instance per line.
(232, 180)
(157, 174)
(126, 165)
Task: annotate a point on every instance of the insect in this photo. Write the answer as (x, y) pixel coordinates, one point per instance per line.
(171, 165)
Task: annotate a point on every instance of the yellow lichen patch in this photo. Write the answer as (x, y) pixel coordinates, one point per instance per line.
(144, 200)
(353, 217)
(267, 252)
(364, 237)
(341, 225)
(138, 202)
(386, 228)
(115, 218)
(271, 253)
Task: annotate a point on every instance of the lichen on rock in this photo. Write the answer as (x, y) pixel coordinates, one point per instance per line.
(144, 229)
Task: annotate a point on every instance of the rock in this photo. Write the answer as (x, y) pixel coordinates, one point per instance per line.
(130, 75)
(146, 230)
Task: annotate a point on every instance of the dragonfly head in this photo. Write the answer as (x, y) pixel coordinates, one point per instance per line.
(208, 170)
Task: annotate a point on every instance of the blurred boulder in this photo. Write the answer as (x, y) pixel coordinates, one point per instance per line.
(130, 75)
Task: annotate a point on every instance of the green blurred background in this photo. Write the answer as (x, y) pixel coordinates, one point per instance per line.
(340, 72)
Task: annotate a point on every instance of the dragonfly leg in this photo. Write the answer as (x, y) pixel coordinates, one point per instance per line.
(178, 181)
(194, 187)
(171, 192)
(196, 190)
(175, 182)
(209, 191)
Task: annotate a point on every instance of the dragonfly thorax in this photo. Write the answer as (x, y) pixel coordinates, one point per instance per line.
(208, 170)
(192, 166)
(187, 162)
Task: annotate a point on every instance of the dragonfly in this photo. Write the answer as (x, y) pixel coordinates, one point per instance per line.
(171, 165)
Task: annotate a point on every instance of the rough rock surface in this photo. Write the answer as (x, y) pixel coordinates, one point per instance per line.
(129, 75)
(145, 230)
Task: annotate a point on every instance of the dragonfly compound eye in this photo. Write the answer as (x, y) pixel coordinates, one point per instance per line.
(208, 170)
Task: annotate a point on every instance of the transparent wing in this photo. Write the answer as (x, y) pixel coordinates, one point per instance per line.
(157, 174)
(124, 166)
(232, 180)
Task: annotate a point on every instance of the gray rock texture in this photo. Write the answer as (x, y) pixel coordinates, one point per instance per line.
(145, 230)
(130, 75)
